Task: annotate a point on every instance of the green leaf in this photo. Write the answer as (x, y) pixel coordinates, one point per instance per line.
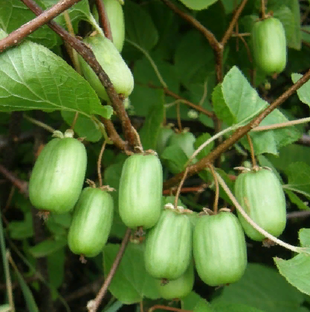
(84, 126)
(304, 91)
(288, 12)
(229, 307)
(263, 288)
(131, 283)
(139, 26)
(206, 150)
(32, 77)
(30, 302)
(175, 158)
(152, 124)
(21, 229)
(14, 14)
(192, 54)
(235, 101)
(197, 4)
(304, 237)
(194, 302)
(230, 6)
(47, 247)
(298, 175)
(296, 200)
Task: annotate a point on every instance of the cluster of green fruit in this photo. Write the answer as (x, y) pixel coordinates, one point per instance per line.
(269, 45)
(215, 243)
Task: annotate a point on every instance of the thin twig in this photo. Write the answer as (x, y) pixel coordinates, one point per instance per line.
(39, 123)
(179, 190)
(240, 132)
(217, 190)
(9, 281)
(196, 107)
(298, 214)
(21, 185)
(93, 305)
(216, 46)
(252, 152)
(99, 163)
(162, 307)
(104, 19)
(233, 23)
(25, 30)
(263, 9)
(90, 58)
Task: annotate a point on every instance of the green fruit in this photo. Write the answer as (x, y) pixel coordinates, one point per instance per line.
(269, 45)
(162, 139)
(91, 222)
(219, 249)
(140, 191)
(178, 288)
(114, 11)
(168, 246)
(58, 175)
(111, 62)
(185, 141)
(261, 196)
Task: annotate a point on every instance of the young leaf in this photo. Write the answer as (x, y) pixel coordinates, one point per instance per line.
(131, 283)
(32, 77)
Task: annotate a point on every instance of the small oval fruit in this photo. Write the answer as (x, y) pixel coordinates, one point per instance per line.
(219, 249)
(58, 175)
(260, 194)
(269, 45)
(91, 222)
(162, 139)
(185, 141)
(112, 63)
(178, 288)
(140, 191)
(168, 246)
(114, 11)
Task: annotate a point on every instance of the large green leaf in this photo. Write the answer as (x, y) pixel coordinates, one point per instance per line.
(296, 270)
(131, 283)
(195, 303)
(139, 26)
(236, 102)
(304, 91)
(262, 288)
(197, 4)
(47, 247)
(32, 77)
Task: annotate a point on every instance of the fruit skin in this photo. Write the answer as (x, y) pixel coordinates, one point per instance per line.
(219, 249)
(140, 191)
(185, 140)
(112, 63)
(168, 246)
(269, 45)
(91, 222)
(114, 11)
(261, 196)
(58, 175)
(162, 139)
(178, 288)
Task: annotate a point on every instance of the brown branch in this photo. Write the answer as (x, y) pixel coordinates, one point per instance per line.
(162, 307)
(103, 19)
(196, 107)
(240, 132)
(21, 185)
(216, 46)
(233, 22)
(113, 135)
(19, 34)
(93, 305)
(90, 58)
